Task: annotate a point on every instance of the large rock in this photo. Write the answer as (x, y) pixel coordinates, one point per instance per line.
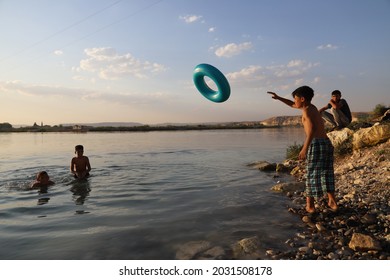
(263, 165)
(190, 249)
(289, 187)
(339, 137)
(371, 136)
(246, 247)
(362, 242)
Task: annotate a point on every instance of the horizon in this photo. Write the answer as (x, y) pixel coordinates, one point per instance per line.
(121, 61)
(165, 123)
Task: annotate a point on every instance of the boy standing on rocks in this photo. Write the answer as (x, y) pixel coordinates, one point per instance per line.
(317, 149)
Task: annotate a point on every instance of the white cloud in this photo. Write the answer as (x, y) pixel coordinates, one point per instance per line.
(293, 68)
(233, 49)
(329, 47)
(212, 29)
(190, 18)
(250, 72)
(110, 96)
(109, 65)
(58, 52)
(295, 63)
(292, 73)
(36, 89)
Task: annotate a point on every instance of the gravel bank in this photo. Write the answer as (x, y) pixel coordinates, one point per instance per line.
(361, 227)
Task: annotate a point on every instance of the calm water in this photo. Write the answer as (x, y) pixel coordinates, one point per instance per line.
(148, 193)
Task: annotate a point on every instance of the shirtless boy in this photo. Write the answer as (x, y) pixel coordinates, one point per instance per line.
(80, 165)
(317, 149)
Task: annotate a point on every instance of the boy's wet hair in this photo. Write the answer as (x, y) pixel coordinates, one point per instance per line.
(305, 92)
(41, 174)
(336, 92)
(79, 147)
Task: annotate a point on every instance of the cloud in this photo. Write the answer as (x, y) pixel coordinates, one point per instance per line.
(58, 52)
(293, 68)
(292, 73)
(212, 29)
(250, 72)
(316, 80)
(328, 47)
(190, 18)
(109, 65)
(117, 97)
(38, 90)
(233, 49)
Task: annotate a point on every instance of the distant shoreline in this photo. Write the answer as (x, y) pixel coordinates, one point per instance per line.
(273, 122)
(142, 128)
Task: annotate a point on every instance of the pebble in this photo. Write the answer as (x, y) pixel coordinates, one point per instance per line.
(320, 227)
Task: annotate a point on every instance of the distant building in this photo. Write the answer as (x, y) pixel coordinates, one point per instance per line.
(77, 127)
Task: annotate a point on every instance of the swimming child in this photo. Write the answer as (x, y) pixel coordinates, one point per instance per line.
(317, 149)
(42, 180)
(80, 165)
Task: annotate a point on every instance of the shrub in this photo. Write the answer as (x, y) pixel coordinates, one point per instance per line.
(292, 151)
(379, 110)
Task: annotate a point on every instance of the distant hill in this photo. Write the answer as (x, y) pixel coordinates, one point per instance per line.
(297, 120)
(283, 121)
(106, 124)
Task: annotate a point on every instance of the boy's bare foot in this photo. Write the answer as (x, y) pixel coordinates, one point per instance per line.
(310, 205)
(332, 202)
(333, 206)
(310, 209)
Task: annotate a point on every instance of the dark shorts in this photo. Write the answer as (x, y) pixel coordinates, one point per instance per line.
(319, 169)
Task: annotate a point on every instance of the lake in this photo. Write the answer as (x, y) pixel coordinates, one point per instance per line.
(148, 193)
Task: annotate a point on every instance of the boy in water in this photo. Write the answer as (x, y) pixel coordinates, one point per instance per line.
(80, 165)
(317, 149)
(42, 180)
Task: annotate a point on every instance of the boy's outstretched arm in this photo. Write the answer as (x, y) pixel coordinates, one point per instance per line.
(288, 102)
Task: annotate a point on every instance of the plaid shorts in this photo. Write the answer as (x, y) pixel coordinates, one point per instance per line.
(319, 168)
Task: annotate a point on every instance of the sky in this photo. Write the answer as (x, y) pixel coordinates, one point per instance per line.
(133, 60)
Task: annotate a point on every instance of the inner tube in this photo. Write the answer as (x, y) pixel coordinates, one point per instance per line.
(223, 92)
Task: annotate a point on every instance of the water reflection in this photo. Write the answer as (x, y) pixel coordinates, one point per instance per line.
(42, 191)
(80, 189)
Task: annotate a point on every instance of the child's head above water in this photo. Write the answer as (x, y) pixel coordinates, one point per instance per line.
(79, 148)
(42, 176)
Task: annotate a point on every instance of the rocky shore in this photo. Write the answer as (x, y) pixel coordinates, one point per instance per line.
(359, 230)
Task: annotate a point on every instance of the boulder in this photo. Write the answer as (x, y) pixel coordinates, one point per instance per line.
(263, 165)
(246, 247)
(214, 253)
(250, 245)
(362, 242)
(371, 136)
(289, 187)
(280, 167)
(190, 249)
(339, 137)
